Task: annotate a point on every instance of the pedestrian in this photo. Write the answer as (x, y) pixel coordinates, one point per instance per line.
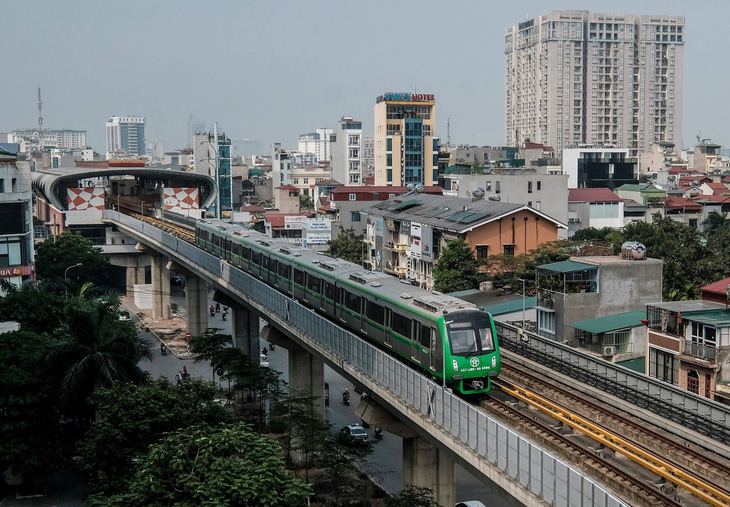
(265, 352)
(163, 349)
(185, 371)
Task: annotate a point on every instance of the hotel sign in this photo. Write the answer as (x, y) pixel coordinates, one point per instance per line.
(406, 97)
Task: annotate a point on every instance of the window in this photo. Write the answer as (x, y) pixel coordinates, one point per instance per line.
(313, 283)
(375, 312)
(353, 197)
(256, 258)
(355, 216)
(529, 187)
(693, 381)
(546, 323)
(352, 302)
(329, 291)
(426, 333)
(661, 365)
(298, 277)
(539, 185)
(482, 251)
(284, 270)
(401, 324)
(509, 250)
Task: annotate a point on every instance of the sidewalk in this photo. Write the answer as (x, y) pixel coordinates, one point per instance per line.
(170, 331)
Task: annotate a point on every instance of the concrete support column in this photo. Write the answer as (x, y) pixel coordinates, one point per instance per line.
(246, 331)
(160, 288)
(135, 276)
(306, 376)
(196, 304)
(427, 467)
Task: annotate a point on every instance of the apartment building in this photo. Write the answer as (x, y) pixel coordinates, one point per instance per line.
(406, 150)
(346, 145)
(575, 77)
(125, 136)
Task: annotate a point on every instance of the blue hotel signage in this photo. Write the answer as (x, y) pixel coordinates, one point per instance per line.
(406, 97)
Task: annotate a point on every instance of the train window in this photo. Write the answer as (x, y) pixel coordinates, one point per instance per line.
(352, 302)
(375, 312)
(264, 262)
(274, 266)
(284, 270)
(426, 336)
(236, 249)
(298, 277)
(244, 253)
(329, 291)
(313, 283)
(401, 324)
(216, 240)
(256, 257)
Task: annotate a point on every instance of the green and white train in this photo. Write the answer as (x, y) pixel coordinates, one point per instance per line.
(440, 335)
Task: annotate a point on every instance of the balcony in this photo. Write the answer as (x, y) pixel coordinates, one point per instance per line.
(700, 351)
(396, 247)
(395, 270)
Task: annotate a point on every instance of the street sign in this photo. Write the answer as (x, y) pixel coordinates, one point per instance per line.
(188, 336)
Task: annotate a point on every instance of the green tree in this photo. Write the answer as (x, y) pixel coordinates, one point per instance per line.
(96, 349)
(305, 202)
(593, 234)
(133, 417)
(206, 466)
(56, 254)
(412, 497)
(456, 268)
(30, 436)
(341, 457)
(347, 246)
(35, 310)
(716, 222)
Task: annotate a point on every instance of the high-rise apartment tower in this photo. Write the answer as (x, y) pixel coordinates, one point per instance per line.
(125, 136)
(575, 77)
(406, 150)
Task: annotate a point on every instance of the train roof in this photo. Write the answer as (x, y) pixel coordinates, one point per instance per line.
(431, 304)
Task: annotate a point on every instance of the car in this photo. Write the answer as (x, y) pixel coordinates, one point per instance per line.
(263, 361)
(124, 316)
(356, 431)
(470, 503)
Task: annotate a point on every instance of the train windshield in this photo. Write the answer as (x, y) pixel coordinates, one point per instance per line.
(471, 338)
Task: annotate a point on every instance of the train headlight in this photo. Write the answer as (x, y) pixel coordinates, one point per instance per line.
(494, 361)
(455, 365)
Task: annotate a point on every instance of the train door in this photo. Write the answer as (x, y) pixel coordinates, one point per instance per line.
(328, 299)
(415, 337)
(433, 349)
(387, 336)
(341, 302)
(273, 268)
(265, 267)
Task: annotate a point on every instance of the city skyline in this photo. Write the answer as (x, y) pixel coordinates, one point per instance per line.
(291, 68)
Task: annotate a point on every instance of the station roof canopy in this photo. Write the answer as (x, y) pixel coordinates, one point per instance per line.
(611, 323)
(52, 183)
(566, 267)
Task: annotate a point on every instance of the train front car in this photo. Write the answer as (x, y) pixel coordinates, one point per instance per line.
(472, 351)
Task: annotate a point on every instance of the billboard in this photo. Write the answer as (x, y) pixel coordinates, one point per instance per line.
(178, 198)
(415, 240)
(80, 199)
(427, 242)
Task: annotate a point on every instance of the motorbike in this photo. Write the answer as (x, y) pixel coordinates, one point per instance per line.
(223, 315)
(346, 397)
(212, 311)
(378, 433)
(272, 346)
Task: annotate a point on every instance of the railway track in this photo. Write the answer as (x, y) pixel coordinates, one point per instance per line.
(177, 230)
(693, 470)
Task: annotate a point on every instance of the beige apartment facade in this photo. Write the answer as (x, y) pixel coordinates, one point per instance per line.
(405, 148)
(575, 77)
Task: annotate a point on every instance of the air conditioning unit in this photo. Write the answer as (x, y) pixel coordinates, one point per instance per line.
(608, 351)
(571, 220)
(577, 220)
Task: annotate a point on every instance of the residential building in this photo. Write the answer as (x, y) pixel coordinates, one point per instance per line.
(406, 150)
(346, 202)
(406, 235)
(594, 207)
(544, 192)
(584, 288)
(368, 155)
(286, 199)
(346, 145)
(58, 138)
(316, 143)
(706, 156)
(281, 166)
(305, 178)
(16, 222)
(125, 136)
(689, 343)
(659, 157)
(576, 77)
(599, 167)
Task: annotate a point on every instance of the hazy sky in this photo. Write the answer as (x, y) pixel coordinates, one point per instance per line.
(270, 70)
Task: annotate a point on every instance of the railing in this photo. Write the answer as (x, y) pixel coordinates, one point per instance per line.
(457, 423)
(695, 412)
(699, 350)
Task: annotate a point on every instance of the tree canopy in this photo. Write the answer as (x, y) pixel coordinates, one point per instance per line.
(133, 417)
(56, 254)
(208, 466)
(35, 310)
(457, 268)
(347, 245)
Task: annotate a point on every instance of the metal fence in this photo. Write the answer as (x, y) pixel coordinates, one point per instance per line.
(552, 480)
(690, 410)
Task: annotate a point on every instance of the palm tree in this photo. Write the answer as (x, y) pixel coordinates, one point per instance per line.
(715, 222)
(97, 348)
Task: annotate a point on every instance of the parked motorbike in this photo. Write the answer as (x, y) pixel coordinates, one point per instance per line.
(346, 397)
(378, 433)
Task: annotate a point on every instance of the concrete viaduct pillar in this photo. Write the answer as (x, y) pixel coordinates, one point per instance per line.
(196, 304)
(160, 288)
(246, 331)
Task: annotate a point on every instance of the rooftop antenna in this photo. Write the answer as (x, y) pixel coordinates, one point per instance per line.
(40, 119)
(448, 132)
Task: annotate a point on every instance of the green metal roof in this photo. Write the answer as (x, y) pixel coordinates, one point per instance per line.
(611, 323)
(567, 267)
(511, 306)
(403, 205)
(715, 318)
